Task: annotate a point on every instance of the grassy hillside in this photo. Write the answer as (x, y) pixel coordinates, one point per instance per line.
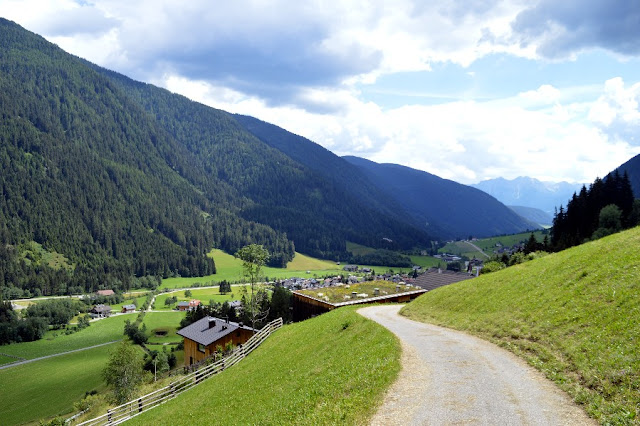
(488, 245)
(332, 369)
(574, 315)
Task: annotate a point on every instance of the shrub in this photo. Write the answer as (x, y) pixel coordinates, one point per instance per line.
(492, 266)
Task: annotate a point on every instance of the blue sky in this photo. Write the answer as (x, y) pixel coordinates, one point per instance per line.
(467, 90)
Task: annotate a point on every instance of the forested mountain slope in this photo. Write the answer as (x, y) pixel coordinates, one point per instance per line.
(324, 162)
(126, 179)
(632, 168)
(272, 187)
(87, 173)
(457, 209)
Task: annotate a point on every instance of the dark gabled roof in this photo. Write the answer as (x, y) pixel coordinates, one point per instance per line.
(129, 306)
(201, 332)
(101, 308)
(433, 278)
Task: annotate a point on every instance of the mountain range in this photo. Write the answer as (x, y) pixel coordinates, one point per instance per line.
(125, 179)
(530, 192)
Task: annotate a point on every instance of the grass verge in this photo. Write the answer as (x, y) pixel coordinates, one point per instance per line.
(573, 315)
(332, 369)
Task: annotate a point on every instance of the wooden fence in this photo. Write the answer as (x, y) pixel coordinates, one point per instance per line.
(134, 407)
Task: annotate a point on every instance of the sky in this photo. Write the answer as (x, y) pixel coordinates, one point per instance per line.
(468, 90)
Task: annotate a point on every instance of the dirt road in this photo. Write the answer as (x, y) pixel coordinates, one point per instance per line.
(451, 378)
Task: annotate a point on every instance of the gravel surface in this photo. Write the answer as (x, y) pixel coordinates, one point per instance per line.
(451, 378)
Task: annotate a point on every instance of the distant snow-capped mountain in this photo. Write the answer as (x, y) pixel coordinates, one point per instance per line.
(529, 192)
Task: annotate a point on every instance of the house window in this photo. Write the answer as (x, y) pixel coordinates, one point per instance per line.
(201, 347)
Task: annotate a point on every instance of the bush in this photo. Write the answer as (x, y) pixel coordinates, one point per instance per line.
(492, 266)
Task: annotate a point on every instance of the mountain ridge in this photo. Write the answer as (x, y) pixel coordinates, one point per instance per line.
(529, 192)
(458, 209)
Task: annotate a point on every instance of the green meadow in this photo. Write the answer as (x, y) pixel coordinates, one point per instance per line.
(161, 323)
(49, 387)
(229, 268)
(55, 341)
(574, 315)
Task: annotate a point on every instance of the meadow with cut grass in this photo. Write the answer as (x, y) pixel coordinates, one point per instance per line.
(56, 341)
(574, 315)
(49, 387)
(162, 327)
(332, 369)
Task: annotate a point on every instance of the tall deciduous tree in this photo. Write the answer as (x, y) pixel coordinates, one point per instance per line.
(124, 372)
(254, 257)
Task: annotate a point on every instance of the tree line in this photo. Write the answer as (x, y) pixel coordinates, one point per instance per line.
(607, 206)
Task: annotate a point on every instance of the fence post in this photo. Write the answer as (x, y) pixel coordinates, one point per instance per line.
(140, 405)
(109, 415)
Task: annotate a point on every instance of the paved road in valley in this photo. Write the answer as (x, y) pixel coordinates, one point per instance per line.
(451, 378)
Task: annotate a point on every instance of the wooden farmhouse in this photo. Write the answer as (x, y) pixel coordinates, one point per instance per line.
(100, 311)
(203, 336)
(128, 308)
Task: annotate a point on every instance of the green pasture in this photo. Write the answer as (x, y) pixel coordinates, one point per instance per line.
(6, 359)
(426, 261)
(168, 322)
(332, 369)
(488, 245)
(574, 315)
(229, 268)
(49, 387)
(55, 341)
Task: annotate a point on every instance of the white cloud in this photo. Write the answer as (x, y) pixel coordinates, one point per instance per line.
(617, 103)
(465, 141)
(298, 64)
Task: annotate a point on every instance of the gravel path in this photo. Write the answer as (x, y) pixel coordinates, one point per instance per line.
(451, 378)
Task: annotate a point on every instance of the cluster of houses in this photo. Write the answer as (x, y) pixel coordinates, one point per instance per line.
(103, 311)
(312, 283)
(188, 306)
(500, 249)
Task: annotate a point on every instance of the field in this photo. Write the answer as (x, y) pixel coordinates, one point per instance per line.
(333, 369)
(427, 262)
(229, 268)
(168, 322)
(341, 294)
(55, 341)
(49, 387)
(488, 245)
(574, 315)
